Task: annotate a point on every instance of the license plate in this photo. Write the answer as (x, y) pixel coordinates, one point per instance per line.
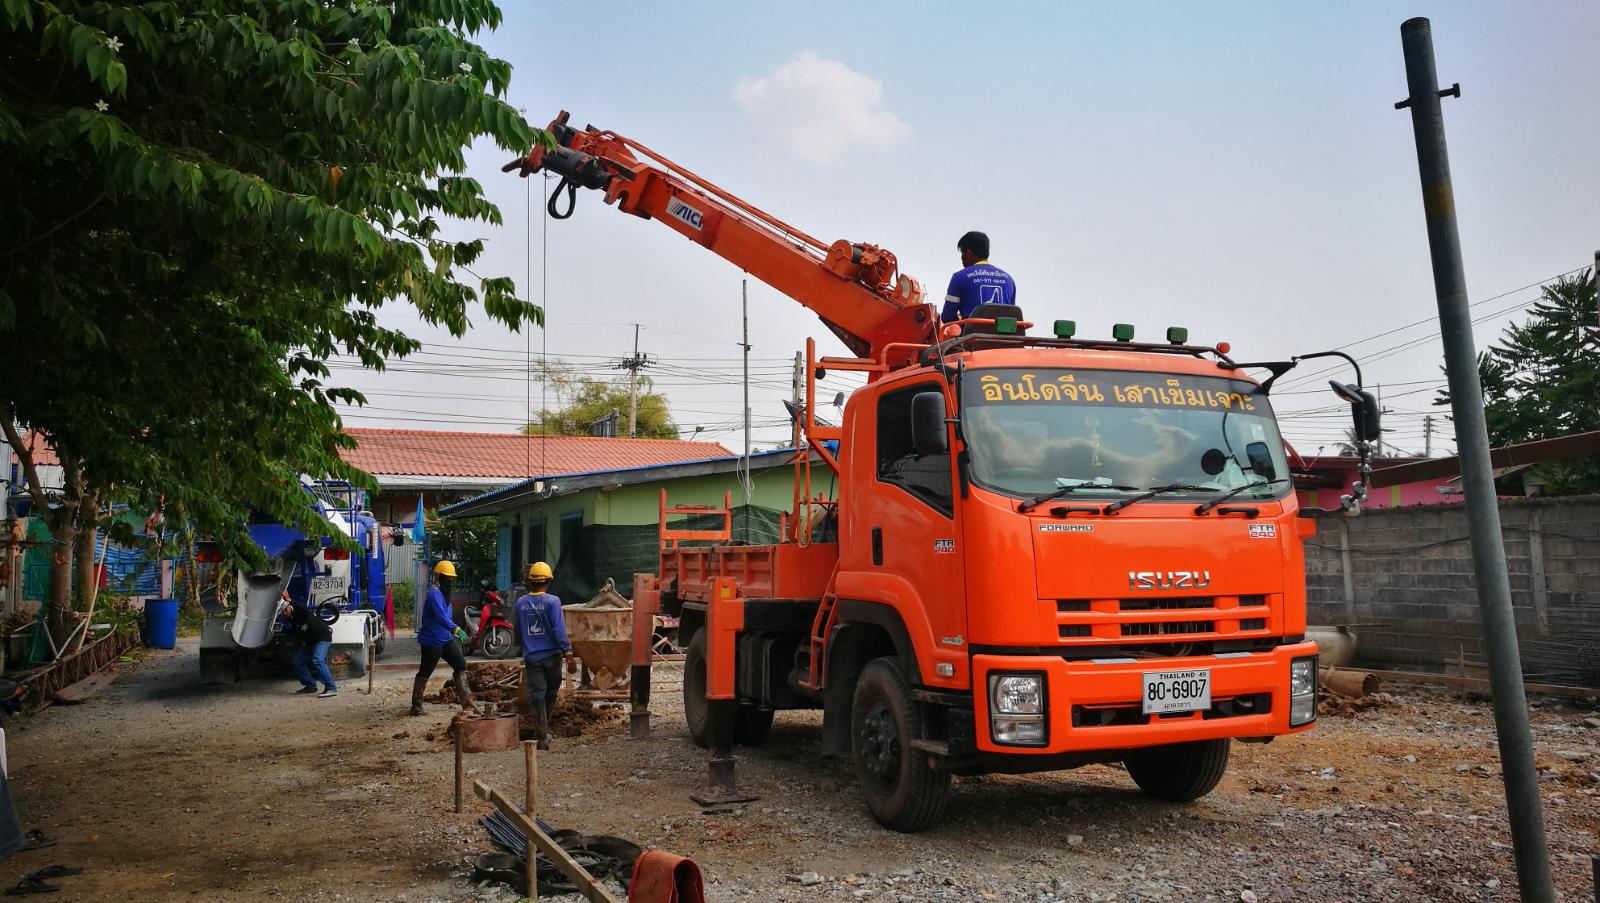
(1177, 691)
(327, 584)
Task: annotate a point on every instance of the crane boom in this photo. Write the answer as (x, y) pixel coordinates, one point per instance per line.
(856, 288)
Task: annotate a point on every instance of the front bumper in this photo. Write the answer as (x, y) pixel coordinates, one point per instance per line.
(1095, 705)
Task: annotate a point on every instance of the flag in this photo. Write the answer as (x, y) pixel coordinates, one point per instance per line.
(419, 532)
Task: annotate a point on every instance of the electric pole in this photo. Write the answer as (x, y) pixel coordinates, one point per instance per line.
(799, 388)
(1477, 472)
(633, 365)
(1427, 436)
(744, 311)
(1381, 411)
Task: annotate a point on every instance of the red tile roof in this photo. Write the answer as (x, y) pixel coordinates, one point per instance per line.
(43, 454)
(446, 454)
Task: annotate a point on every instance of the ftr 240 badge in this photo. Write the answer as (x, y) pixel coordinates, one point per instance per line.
(1263, 531)
(944, 547)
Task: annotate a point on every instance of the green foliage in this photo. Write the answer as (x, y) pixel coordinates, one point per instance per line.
(207, 201)
(470, 543)
(1541, 381)
(584, 399)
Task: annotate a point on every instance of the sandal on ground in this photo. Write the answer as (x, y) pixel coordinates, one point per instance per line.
(35, 840)
(30, 886)
(55, 871)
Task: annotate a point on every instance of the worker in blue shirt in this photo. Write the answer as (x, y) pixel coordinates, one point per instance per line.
(543, 633)
(439, 637)
(977, 282)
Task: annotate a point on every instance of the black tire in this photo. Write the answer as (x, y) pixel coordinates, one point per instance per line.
(696, 708)
(377, 645)
(499, 643)
(901, 789)
(752, 725)
(1180, 772)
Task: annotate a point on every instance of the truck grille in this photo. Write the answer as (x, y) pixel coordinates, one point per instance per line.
(1167, 620)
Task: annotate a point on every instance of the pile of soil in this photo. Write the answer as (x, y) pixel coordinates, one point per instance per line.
(1337, 705)
(572, 717)
(492, 683)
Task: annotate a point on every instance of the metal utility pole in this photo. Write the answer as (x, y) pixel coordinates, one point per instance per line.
(744, 309)
(1477, 475)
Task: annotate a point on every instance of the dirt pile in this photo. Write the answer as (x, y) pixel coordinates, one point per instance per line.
(1331, 704)
(491, 683)
(573, 717)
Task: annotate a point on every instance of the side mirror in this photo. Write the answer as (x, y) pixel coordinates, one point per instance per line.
(1363, 407)
(1260, 458)
(928, 433)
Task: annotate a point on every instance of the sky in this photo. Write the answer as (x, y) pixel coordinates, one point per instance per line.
(1235, 168)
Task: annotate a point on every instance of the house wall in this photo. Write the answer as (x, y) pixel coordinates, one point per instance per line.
(1412, 589)
(640, 504)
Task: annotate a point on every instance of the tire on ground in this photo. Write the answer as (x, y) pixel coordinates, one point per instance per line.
(902, 791)
(696, 709)
(1180, 772)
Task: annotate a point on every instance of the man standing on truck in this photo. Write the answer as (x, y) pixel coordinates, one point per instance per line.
(543, 633)
(977, 282)
(438, 635)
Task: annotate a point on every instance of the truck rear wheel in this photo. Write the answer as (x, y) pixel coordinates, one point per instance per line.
(1180, 772)
(902, 790)
(696, 708)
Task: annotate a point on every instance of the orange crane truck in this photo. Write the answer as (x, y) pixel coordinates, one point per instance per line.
(1043, 550)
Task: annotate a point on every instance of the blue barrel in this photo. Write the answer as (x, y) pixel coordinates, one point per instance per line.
(161, 623)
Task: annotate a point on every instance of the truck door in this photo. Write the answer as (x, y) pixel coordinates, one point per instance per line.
(909, 525)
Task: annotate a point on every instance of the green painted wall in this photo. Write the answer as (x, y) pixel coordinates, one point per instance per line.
(640, 503)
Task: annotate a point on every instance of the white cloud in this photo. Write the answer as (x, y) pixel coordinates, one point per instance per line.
(818, 108)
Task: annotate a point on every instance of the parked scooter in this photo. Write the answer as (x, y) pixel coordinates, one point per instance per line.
(489, 626)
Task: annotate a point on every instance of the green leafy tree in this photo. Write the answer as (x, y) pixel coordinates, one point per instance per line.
(583, 399)
(1541, 381)
(470, 543)
(207, 201)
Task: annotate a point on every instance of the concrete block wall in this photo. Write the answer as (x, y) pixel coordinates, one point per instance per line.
(1405, 576)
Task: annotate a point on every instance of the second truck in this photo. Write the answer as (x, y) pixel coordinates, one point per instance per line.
(1043, 551)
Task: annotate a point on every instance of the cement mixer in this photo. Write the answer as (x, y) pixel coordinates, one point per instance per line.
(344, 588)
(601, 633)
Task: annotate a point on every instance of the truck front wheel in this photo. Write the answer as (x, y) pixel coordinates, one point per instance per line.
(1180, 772)
(903, 791)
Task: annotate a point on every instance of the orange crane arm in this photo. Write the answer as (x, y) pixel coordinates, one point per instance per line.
(856, 288)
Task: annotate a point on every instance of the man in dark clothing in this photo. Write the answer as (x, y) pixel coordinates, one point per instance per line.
(311, 658)
(439, 637)
(977, 282)
(543, 633)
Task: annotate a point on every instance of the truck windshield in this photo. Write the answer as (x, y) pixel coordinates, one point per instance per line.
(1113, 432)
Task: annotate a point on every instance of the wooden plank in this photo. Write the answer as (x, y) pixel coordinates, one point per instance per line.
(1475, 683)
(84, 689)
(586, 884)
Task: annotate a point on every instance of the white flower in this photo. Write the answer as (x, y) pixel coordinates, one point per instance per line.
(114, 42)
(465, 67)
(355, 42)
(102, 106)
(391, 9)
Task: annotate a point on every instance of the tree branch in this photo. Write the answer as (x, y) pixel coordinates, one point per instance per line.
(59, 226)
(29, 471)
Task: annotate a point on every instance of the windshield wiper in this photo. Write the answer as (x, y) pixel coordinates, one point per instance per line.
(1068, 490)
(1202, 509)
(1150, 493)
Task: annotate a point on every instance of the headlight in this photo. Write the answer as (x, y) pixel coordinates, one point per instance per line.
(1017, 709)
(1017, 694)
(1302, 691)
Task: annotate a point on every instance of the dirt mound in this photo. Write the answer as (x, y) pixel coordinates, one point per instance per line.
(1338, 705)
(491, 683)
(572, 718)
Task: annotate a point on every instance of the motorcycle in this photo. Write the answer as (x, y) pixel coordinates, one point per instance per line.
(489, 626)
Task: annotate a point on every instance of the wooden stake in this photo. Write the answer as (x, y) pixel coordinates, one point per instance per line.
(591, 889)
(455, 729)
(530, 755)
(372, 665)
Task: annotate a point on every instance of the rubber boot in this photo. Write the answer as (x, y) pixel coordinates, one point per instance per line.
(543, 714)
(464, 692)
(419, 685)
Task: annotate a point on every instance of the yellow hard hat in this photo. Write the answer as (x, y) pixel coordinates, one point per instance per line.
(539, 572)
(445, 569)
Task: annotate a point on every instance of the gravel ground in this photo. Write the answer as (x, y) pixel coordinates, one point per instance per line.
(165, 791)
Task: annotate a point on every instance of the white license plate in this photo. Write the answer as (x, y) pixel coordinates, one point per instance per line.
(1177, 691)
(327, 584)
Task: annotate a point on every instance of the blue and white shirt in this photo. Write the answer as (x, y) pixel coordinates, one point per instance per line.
(981, 283)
